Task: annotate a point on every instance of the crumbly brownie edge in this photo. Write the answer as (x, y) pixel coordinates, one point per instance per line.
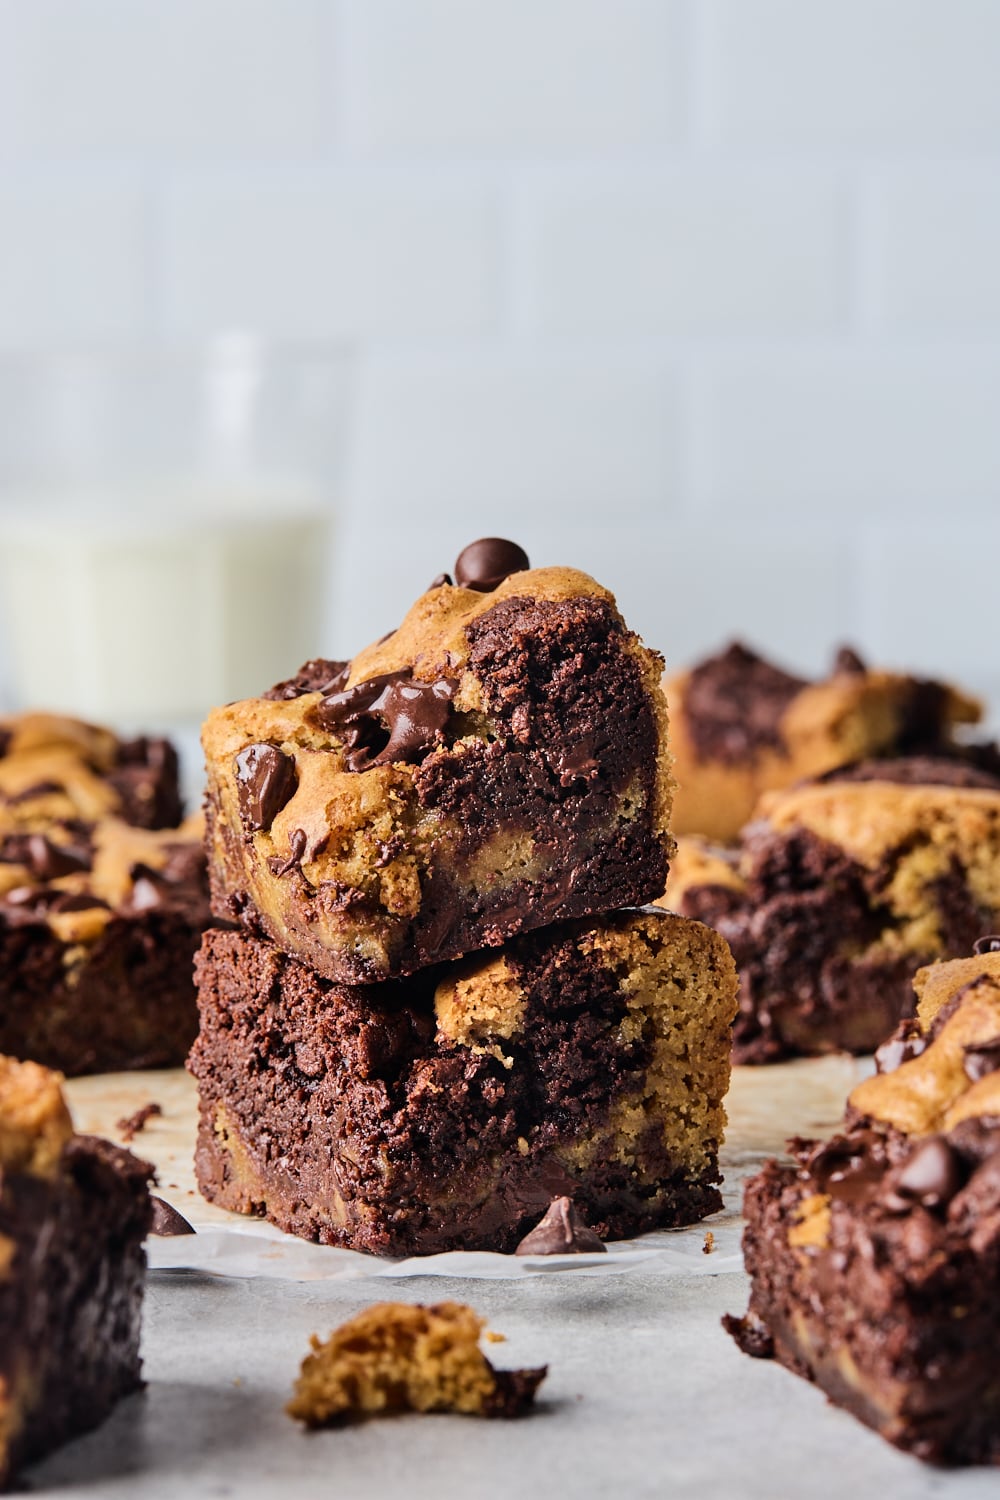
(70, 1313)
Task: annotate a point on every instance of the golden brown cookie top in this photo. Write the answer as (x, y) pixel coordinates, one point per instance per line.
(954, 1077)
(35, 1122)
(871, 818)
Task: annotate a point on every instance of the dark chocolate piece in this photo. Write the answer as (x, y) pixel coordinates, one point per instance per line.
(392, 717)
(320, 675)
(982, 1059)
(167, 1221)
(44, 859)
(989, 944)
(297, 844)
(484, 565)
(561, 1231)
(265, 779)
(443, 580)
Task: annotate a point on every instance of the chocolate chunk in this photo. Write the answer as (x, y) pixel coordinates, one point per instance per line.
(932, 1175)
(848, 660)
(319, 675)
(132, 1124)
(577, 764)
(166, 1219)
(906, 1043)
(560, 1232)
(6, 735)
(443, 580)
(297, 842)
(989, 944)
(76, 901)
(981, 1058)
(484, 565)
(45, 860)
(266, 780)
(389, 718)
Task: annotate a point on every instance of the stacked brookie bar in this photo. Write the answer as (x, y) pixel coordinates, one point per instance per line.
(102, 898)
(440, 1003)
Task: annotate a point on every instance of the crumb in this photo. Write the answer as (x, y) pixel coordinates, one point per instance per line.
(494, 1338)
(131, 1126)
(401, 1356)
(709, 1244)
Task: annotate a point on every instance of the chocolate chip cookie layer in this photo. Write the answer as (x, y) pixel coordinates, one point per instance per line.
(99, 924)
(838, 893)
(741, 726)
(445, 1111)
(497, 763)
(73, 1214)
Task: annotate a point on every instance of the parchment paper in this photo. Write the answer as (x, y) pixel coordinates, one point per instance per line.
(765, 1106)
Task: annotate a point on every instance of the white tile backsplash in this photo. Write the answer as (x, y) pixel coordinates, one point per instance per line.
(332, 252)
(702, 295)
(518, 76)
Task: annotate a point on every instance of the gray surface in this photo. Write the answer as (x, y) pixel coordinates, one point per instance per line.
(646, 1396)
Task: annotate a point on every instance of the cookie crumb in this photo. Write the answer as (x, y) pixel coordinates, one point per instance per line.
(131, 1126)
(709, 1244)
(402, 1356)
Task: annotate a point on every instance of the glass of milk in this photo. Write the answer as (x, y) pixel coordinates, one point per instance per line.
(165, 524)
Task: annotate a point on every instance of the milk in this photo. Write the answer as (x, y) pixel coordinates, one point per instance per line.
(147, 606)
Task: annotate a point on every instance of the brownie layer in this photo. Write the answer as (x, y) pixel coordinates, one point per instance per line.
(74, 1211)
(447, 1110)
(875, 1266)
(838, 896)
(99, 925)
(496, 764)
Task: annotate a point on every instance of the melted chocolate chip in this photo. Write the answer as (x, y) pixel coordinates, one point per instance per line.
(981, 1059)
(931, 1177)
(297, 842)
(906, 1043)
(848, 1167)
(560, 1232)
(484, 565)
(577, 764)
(166, 1219)
(265, 781)
(319, 675)
(389, 718)
(989, 944)
(45, 860)
(848, 660)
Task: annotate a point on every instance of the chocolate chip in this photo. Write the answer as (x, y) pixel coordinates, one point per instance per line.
(443, 580)
(484, 565)
(297, 842)
(45, 860)
(578, 764)
(319, 675)
(932, 1175)
(989, 944)
(166, 1219)
(848, 660)
(981, 1059)
(6, 735)
(265, 781)
(76, 901)
(561, 1231)
(389, 718)
(906, 1043)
